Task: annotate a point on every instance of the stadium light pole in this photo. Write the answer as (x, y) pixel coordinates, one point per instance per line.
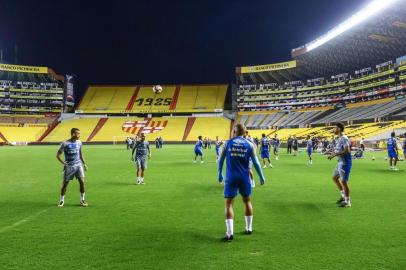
(370, 10)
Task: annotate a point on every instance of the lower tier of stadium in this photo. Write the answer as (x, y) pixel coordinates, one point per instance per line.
(355, 132)
(117, 129)
(175, 129)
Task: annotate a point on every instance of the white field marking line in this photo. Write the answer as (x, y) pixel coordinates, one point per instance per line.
(22, 221)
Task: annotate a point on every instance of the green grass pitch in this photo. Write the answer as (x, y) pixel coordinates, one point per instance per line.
(176, 220)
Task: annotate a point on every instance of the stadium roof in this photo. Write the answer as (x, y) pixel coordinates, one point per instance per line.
(377, 39)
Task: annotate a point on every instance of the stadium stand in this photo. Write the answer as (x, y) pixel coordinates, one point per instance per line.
(141, 99)
(210, 127)
(354, 132)
(100, 99)
(172, 129)
(30, 90)
(62, 131)
(13, 133)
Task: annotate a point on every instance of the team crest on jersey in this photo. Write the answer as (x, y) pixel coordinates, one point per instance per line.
(144, 126)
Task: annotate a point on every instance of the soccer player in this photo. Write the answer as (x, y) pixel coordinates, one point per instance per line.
(218, 144)
(276, 144)
(289, 147)
(142, 154)
(238, 152)
(392, 152)
(404, 147)
(295, 145)
(309, 144)
(265, 148)
(74, 165)
(342, 171)
(198, 149)
(362, 145)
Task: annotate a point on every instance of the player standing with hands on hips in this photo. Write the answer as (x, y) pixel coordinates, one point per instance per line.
(238, 152)
(74, 165)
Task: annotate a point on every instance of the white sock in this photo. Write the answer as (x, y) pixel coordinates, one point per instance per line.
(342, 194)
(230, 227)
(347, 200)
(82, 196)
(248, 223)
(62, 198)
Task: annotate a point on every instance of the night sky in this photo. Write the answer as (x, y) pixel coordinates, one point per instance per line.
(168, 41)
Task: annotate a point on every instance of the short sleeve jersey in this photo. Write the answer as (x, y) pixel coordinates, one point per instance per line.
(71, 152)
(341, 144)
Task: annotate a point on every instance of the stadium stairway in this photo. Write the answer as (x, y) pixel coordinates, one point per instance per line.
(48, 131)
(175, 98)
(2, 138)
(97, 128)
(130, 104)
(188, 128)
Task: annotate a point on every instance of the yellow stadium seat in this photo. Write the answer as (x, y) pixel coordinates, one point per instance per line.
(141, 99)
(113, 129)
(62, 130)
(148, 101)
(210, 127)
(22, 134)
(106, 99)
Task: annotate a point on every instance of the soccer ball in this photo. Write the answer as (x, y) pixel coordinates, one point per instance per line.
(157, 89)
(373, 158)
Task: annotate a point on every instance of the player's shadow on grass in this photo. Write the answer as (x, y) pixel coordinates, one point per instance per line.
(207, 237)
(299, 206)
(122, 183)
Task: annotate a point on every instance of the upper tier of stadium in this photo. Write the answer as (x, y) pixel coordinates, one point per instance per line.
(30, 90)
(141, 99)
(359, 42)
(386, 81)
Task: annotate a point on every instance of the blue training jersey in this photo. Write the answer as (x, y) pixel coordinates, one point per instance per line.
(391, 144)
(238, 153)
(265, 144)
(310, 144)
(199, 145)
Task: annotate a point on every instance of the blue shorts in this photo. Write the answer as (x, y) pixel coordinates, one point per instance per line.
(198, 152)
(404, 151)
(342, 171)
(243, 186)
(264, 154)
(392, 154)
(309, 151)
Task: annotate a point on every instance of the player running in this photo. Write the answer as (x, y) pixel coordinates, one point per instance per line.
(142, 154)
(392, 152)
(199, 149)
(218, 144)
(237, 153)
(342, 171)
(276, 143)
(309, 144)
(265, 148)
(74, 165)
